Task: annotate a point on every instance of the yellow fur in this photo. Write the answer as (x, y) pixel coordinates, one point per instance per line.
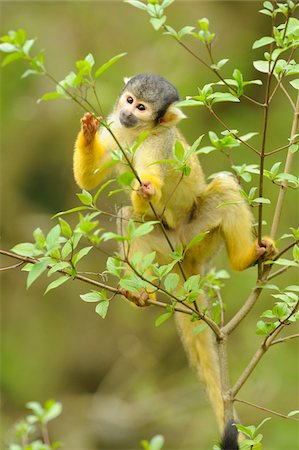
(187, 205)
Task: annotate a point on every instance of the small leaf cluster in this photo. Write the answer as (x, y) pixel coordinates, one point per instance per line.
(284, 310)
(207, 97)
(99, 297)
(285, 37)
(237, 82)
(181, 156)
(34, 423)
(58, 251)
(17, 47)
(229, 140)
(253, 440)
(252, 200)
(280, 178)
(155, 9)
(84, 77)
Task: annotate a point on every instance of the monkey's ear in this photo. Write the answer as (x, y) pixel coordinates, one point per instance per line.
(172, 116)
(127, 79)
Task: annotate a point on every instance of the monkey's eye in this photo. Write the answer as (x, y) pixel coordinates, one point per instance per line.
(130, 100)
(141, 107)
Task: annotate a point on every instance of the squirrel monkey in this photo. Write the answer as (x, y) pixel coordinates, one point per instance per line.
(187, 205)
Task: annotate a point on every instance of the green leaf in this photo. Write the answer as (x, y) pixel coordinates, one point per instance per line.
(36, 270)
(81, 253)
(171, 281)
(261, 200)
(137, 4)
(192, 283)
(24, 249)
(59, 266)
(11, 58)
(102, 308)
(263, 41)
(93, 296)
(58, 282)
(189, 102)
(126, 178)
(85, 198)
(50, 96)
(263, 66)
(143, 229)
(102, 188)
(52, 410)
(161, 319)
(69, 211)
(36, 407)
(114, 266)
(111, 61)
(293, 413)
(199, 328)
(198, 238)
(219, 64)
(223, 97)
(29, 72)
(179, 150)
(295, 83)
(8, 48)
(157, 23)
(65, 228)
(157, 442)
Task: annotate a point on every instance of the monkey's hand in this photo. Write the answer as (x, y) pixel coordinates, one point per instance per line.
(266, 250)
(148, 191)
(89, 127)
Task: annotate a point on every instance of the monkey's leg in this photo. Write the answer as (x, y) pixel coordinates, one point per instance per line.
(89, 154)
(233, 216)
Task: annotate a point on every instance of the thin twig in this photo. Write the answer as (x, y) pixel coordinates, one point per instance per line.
(231, 132)
(14, 266)
(243, 311)
(285, 339)
(178, 308)
(266, 344)
(288, 247)
(278, 272)
(262, 408)
(279, 149)
(287, 168)
(215, 71)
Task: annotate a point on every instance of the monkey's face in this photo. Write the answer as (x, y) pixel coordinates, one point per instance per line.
(134, 113)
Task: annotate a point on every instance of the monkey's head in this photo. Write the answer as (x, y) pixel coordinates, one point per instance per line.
(147, 101)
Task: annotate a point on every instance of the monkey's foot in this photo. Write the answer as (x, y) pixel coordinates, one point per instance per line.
(139, 299)
(146, 190)
(89, 126)
(266, 250)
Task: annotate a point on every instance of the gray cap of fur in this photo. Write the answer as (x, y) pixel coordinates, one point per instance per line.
(153, 89)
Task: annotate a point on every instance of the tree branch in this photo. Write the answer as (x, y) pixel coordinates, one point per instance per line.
(285, 339)
(287, 168)
(262, 408)
(267, 342)
(243, 311)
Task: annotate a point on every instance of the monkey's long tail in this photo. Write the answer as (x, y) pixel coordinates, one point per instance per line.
(230, 437)
(201, 350)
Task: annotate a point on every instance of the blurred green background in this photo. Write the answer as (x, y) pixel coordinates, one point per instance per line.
(122, 380)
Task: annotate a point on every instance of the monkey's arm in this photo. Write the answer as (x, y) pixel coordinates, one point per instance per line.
(89, 155)
(236, 225)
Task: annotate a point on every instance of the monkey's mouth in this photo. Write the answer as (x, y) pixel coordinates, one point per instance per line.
(128, 121)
